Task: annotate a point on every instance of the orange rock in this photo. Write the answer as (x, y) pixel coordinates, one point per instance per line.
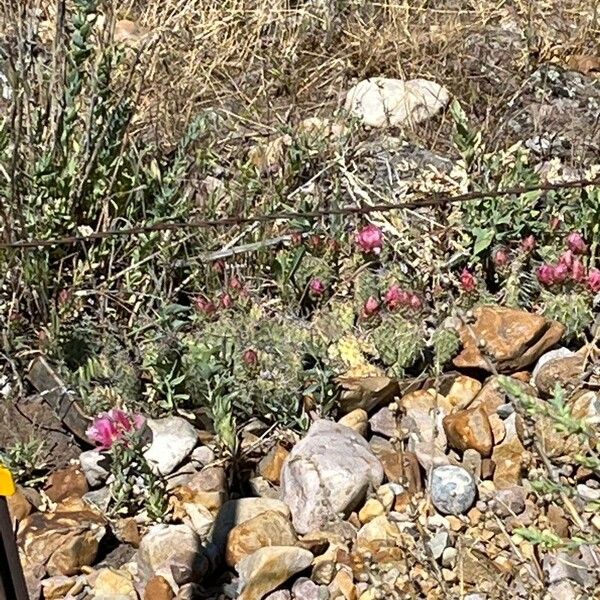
(270, 466)
(509, 458)
(469, 429)
(66, 483)
(158, 588)
(18, 506)
(514, 339)
(126, 531)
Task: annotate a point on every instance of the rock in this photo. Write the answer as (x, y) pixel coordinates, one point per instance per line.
(449, 557)
(509, 501)
(173, 439)
(472, 462)
(306, 589)
(57, 587)
(269, 567)
(463, 391)
(271, 464)
(202, 455)
(381, 102)
(428, 455)
(126, 531)
(111, 584)
(562, 368)
(270, 528)
(561, 566)
(63, 541)
(357, 420)
(372, 508)
(174, 552)
(327, 473)
(66, 483)
(514, 339)
(365, 390)
(259, 486)
(384, 423)
(498, 429)
(380, 530)
(95, 467)
(158, 588)
(342, 585)
(279, 595)
(390, 458)
(98, 499)
(18, 506)
(236, 512)
(469, 428)
(437, 543)
(562, 590)
(509, 458)
(452, 490)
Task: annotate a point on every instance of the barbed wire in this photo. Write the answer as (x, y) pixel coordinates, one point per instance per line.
(433, 200)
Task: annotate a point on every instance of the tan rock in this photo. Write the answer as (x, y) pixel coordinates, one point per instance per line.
(343, 586)
(463, 391)
(111, 583)
(390, 458)
(380, 529)
(270, 528)
(498, 429)
(271, 464)
(425, 400)
(66, 483)
(158, 588)
(366, 390)
(358, 420)
(269, 567)
(18, 506)
(372, 508)
(57, 587)
(126, 531)
(469, 428)
(566, 372)
(63, 541)
(514, 339)
(509, 458)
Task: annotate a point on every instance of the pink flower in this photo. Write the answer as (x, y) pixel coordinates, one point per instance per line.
(204, 306)
(226, 300)
(576, 243)
(578, 271)
(593, 280)
(371, 306)
(396, 297)
(528, 243)
(316, 286)
(545, 275)
(370, 239)
(468, 281)
(64, 296)
(501, 257)
(566, 259)
(415, 302)
(561, 272)
(250, 357)
(235, 283)
(112, 426)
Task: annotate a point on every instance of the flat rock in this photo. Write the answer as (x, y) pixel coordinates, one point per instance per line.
(112, 584)
(452, 490)
(269, 567)
(469, 429)
(66, 483)
(158, 588)
(95, 467)
(383, 422)
(271, 464)
(270, 528)
(357, 420)
(173, 439)
(327, 473)
(382, 102)
(514, 339)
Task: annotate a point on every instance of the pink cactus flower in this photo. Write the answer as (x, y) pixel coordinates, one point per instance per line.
(204, 306)
(561, 272)
(396, 297)
(578, 272)
(593, 280)
(108, 428)
(371, 306)
(250, 357)
(415, 302)
(545, 275)
(226, 301)
(370, 239)
(468, 281)
(316, 287)
(576, 243)
(501, 257)
(566, 259)
(528, 244)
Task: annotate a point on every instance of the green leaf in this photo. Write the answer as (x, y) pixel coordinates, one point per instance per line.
(483, 240)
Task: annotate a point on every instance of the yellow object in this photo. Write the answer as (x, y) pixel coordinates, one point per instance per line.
(7, 485)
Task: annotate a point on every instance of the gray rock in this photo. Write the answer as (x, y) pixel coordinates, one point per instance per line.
(327, 473)
(173, 439)
(384, 423)
(563, 590)
(98, 498)
(452, 490)
(279, 595)
(437, 544)
(306, 589)
(173, 551)
(561, 352)
(561, 566)
(95, 467)
(587, 493)
(509, 501)
(505, 410)
(203, 455)
(449, 556)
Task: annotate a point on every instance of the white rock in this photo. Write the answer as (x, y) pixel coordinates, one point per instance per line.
(327, 473)
(173, 439)
(94, 465)
(382, 102)
(452, 490)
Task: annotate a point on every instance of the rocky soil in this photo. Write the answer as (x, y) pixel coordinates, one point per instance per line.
(420, 492)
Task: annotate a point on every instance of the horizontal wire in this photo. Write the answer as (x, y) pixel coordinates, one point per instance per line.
(288, 216)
